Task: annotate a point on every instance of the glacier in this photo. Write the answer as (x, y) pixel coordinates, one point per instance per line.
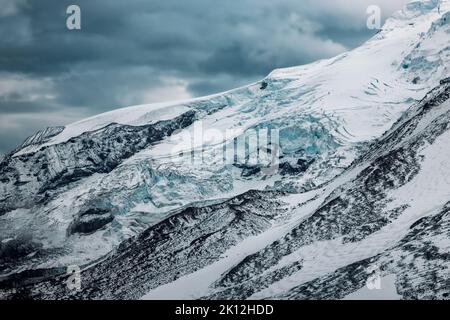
(360, 148)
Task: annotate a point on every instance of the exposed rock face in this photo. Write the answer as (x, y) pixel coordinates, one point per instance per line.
(422, 269)
(32, 177)
(184, 243)
(91, 221)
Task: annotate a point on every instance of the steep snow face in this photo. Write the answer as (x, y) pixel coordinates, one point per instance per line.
(386, 216)
(118, 171)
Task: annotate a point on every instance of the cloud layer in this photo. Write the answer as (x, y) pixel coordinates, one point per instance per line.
(141, 51)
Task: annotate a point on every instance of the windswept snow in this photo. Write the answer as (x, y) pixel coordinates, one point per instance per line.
(127, 170)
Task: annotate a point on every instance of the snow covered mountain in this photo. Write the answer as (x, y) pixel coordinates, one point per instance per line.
(361, 185)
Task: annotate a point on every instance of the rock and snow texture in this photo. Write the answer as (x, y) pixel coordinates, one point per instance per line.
(388, 212)
(363, 184)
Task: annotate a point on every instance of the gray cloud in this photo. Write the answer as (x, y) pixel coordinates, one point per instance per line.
(140, 51)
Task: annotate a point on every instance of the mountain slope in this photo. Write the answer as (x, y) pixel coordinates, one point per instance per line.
(318, 245)
(72, 195)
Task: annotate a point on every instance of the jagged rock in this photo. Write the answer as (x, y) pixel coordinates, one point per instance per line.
(91, 221)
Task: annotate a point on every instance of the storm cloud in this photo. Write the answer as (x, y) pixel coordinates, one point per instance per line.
(143, 51)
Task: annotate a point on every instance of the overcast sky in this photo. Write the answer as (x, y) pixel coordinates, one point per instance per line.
(142, 51)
